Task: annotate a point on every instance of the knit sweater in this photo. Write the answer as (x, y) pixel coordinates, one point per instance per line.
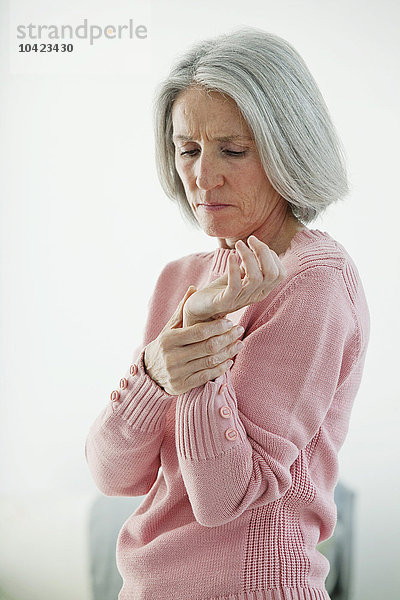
(239, 473)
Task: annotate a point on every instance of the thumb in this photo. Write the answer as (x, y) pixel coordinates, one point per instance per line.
(176, 319)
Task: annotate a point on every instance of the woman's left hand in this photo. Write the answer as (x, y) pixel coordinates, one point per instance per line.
(245, 284)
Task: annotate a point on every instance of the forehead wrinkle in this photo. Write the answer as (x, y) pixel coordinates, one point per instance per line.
(224, 138)
(190, 116)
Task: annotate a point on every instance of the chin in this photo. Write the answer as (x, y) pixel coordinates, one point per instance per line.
(214, 229)
(216, 232)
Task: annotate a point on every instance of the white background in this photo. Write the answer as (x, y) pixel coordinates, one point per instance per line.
(86, 229)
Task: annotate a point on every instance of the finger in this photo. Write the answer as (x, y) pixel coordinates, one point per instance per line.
(250, 262)
(202, 377)
(208, 352)
(234, 275)
(199, 332)
(269, 266)
(279, 264)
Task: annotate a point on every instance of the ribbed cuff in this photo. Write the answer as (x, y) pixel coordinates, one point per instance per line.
(143, 403)
(297, 593)
(207, 423)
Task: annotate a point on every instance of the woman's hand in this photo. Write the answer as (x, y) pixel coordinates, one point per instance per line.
(245, 284)
(180, 359)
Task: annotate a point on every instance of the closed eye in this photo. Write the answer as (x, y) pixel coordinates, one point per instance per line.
(229, 152)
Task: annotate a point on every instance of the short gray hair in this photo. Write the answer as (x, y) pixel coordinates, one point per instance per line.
(282, 105)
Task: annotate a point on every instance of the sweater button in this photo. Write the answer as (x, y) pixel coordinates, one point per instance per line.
(222, 388)
(123, 383)
(225, 412)
(133, 369)
(231, 434)
(114, 395)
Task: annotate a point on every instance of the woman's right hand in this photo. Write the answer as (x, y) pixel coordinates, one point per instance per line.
(182, 358)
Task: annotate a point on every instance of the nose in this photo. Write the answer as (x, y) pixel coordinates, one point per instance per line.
(208, 172)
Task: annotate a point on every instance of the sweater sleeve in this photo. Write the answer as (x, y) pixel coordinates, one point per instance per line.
(237, 436)
(123, 444)
(122, 447)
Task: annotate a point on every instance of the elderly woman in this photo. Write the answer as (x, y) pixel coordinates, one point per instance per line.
(245, 414)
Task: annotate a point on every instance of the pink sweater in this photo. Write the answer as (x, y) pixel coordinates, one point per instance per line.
(249, 461)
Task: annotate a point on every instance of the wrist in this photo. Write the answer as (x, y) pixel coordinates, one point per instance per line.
(189, 321)
(147, 358)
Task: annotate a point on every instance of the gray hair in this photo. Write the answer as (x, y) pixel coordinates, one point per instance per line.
(280, 101)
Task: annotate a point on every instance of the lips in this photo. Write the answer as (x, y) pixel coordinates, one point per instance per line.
(211, 208)
(213, 204)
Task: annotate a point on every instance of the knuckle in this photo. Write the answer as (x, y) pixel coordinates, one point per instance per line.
(221, 329)
(210, 361)
(231, 351)
(221, 356)
(218, 326)
(211, 345)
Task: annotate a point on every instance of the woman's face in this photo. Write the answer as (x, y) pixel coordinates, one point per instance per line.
(217, 161)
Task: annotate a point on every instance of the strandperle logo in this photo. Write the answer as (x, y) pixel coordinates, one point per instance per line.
(82, 32)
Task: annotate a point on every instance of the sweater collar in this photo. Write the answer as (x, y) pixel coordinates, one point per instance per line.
(304, 236)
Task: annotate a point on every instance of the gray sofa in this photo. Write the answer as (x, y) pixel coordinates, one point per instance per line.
(107, 515)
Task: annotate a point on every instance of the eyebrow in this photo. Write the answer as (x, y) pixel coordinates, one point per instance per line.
(225, 138)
